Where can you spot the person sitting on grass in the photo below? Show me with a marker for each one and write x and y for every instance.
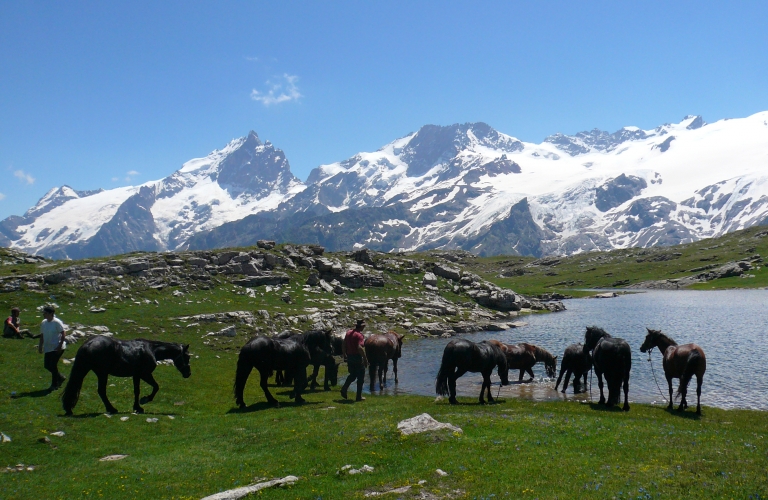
(11, 327)
(52, 345)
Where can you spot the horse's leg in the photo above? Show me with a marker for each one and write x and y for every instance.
(530, 372)
(372, 374)
(557, 384)
(148, 378)
(486, 383)
(102, 389)
(683, 390)
(394, 368)
(265, 388)
(699, 380)
(313, 377)
(452, 385)
(626, 392)
(567, 378)
(136, 394)
(600, 385)
(382, 377)
(522, 372)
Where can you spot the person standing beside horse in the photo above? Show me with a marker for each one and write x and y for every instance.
(354, 351)
(52, 345)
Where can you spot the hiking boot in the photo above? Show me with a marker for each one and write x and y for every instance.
(360, 398)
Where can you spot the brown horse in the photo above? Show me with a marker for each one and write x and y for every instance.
(523, 356)
(379, 349)
(681, 362)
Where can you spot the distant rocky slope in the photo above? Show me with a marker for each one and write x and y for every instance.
(464, 186)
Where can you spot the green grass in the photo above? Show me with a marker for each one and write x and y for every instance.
(515, 449)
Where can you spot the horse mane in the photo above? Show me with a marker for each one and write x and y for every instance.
(543, 354)
(664, 336)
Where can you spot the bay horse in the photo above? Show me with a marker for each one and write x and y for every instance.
(612, 357)
(576, 361)
(379, 349)
(122, 358)
(269, 354)
(461, 356)
(523, 356)
(681, 362)
(319, 343)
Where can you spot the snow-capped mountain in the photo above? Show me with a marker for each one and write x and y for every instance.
(460, 186)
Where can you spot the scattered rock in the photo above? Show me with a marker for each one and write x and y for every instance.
(112, 458)
(238, 493)
(124, 419)
(229, 331)
(4, 438)
(441, 472)
(44, 440)
(429, 280)
(423, 423)
(97, 309)
(402, 489)
(58, 434)
(152, 420)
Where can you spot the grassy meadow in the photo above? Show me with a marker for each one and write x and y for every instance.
(200, 444)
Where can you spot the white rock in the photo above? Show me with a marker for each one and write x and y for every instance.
(441, 472)
(4, 438)
(151, 420)
(237, 493)
(124, 419)
(112, 458)
(58, 434)
(423, 423)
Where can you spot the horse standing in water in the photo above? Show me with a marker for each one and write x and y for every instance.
(576, 361)
(266, 355)
(612, 357)
(681, 362)
(523, 356)
(122, 358)
(379, 349)
(461, 356)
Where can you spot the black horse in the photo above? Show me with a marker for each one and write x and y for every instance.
(319, 343)
(266, 355)
(576, 361)
(461, 356)
(122, 358)
(612, 357)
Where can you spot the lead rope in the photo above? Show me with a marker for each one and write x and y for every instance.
(654, 375)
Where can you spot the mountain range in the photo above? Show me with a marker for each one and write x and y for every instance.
(463, 186)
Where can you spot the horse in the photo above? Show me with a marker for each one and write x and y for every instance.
(680, 362)
(319, 343)
(379, 349)
(576, 361)
(461, 356)
(269, 354)
(122, 358)
(523, 356)
(612, 357)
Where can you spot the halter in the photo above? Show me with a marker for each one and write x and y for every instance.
(654, 375)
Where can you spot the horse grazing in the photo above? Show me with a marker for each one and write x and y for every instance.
(612, 357)
(681, 362)
(269, 354)
(461, 356)
(122, 358)
(319, 345)
(576, 361)
(379, 349)
(523, 356)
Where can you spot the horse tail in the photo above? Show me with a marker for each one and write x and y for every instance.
(72, 392)
(691, 365)
(244, 367)
(441, 382)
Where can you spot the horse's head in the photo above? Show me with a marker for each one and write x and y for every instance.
(593, 336)
(399, 344)
(181, 361)
(332, 370)
(651, 340)
(501, 362)
(550, 366)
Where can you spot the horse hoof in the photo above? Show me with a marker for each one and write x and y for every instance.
(453, 401)
(138, 410)
(626, 408)
(242, 406)
(301, 400)
(68, 413)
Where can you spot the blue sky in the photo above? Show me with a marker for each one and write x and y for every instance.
(106, 94)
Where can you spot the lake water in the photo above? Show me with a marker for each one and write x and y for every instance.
(731, 327)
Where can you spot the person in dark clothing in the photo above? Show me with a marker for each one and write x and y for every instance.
(357, 362)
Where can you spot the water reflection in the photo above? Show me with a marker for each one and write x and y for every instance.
(729, 325)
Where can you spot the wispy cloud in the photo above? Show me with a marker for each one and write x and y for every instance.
(132, 173)
(24, 177)
(2, 196)
(115, 179)
(285, 90)
(252, 58)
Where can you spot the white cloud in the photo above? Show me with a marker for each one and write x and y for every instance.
(252, 59)
(284, 90)
(24, 177)
(115, 179)
(132, 173)
(2, 196)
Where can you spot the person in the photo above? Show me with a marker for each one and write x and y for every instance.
(52, 345)
(357, 362)
(11, 327)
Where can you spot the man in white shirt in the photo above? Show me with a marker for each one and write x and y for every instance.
(52, 345)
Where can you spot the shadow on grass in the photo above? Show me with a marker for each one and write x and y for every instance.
(32, 394)
(690, 415)
(84, 415)
(264, 405)
(603, 407)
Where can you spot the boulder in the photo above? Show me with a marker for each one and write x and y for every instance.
(429, 279)
(423, 423)
(314, 279)
(363, 256)
(447, 272)
(266, 244)
(264, 279)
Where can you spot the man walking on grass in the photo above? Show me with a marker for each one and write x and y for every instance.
(52, 345)
(356, 360)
